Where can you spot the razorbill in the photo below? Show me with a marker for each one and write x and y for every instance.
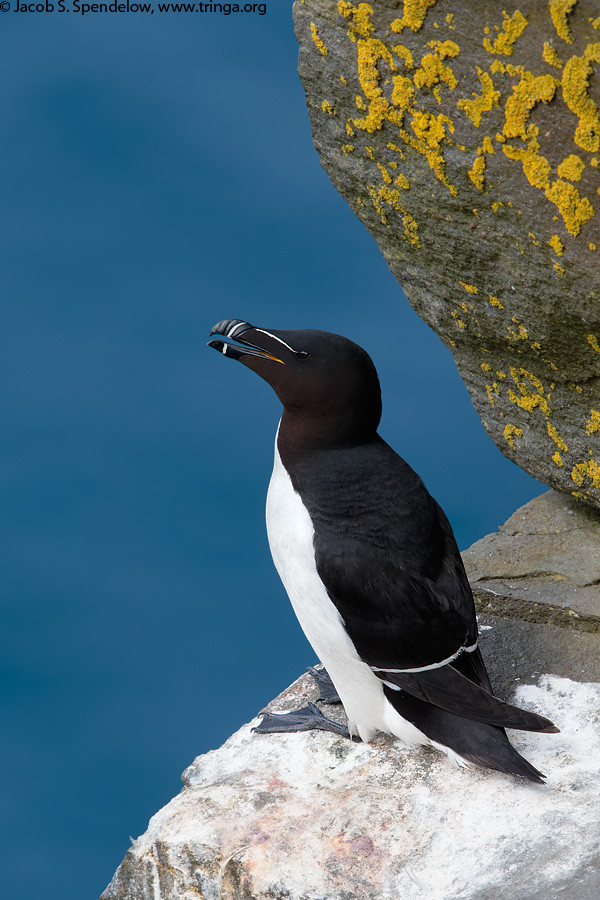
(369, 560)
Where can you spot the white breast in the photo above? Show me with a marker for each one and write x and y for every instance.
(291, 534)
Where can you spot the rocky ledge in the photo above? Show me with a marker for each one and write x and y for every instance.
(315, 817)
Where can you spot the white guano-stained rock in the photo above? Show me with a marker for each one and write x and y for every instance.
(314, 817)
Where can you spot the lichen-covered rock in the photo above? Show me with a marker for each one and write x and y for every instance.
(316, 817)
(466, 137)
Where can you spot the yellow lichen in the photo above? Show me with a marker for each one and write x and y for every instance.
(529, 91)
(327, 108)
(594, 423)
(591, 246)
(492, 389)
(469, 288)
(551, 56)
(535, 167)
(571, 167)
(486, 367)
(575, 84)
(495, 302)
(593, 342)
(561, 271)
(384, 173)
(396, 149)
(430, 131)
(531, 389)
(413, 15)
(370, 52)
(559, 10)
(588, 470)
(487, 146)
(404, 54)
(476, 172)
(556, 244)
(343, 80)
(510, 433)
(432, 70)
(489, 98)
(358, 18)
(557, 458)
(347, 148)
(391, 197)
(429, 134)
(450, 20)
(517, 331)
(553, 432)
(575, 209)
(512, 28)
(317, 40)
(402, 92)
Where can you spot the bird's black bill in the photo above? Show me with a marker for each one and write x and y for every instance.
(233, 329)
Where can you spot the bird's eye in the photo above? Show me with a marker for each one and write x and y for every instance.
(302, 354)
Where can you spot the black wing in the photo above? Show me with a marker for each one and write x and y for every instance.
(387, 556)
(386, 553)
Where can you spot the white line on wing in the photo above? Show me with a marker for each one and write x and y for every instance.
(437, 665)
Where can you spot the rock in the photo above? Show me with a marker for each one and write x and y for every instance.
(316, 817)
(543, 564)
(467, 139)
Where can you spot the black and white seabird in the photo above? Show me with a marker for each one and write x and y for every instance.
(369, 560)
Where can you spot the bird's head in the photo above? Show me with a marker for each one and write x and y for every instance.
(321, 378)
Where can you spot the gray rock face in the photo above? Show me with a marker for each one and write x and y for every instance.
(546, 555)
(466, 137)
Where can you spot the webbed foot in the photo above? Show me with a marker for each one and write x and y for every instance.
(305, 719)
(327, 691)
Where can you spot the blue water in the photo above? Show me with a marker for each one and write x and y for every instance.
(159, 175)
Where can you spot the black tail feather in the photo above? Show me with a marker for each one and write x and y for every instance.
(477, 742)
(472, 666)
(449, 689)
